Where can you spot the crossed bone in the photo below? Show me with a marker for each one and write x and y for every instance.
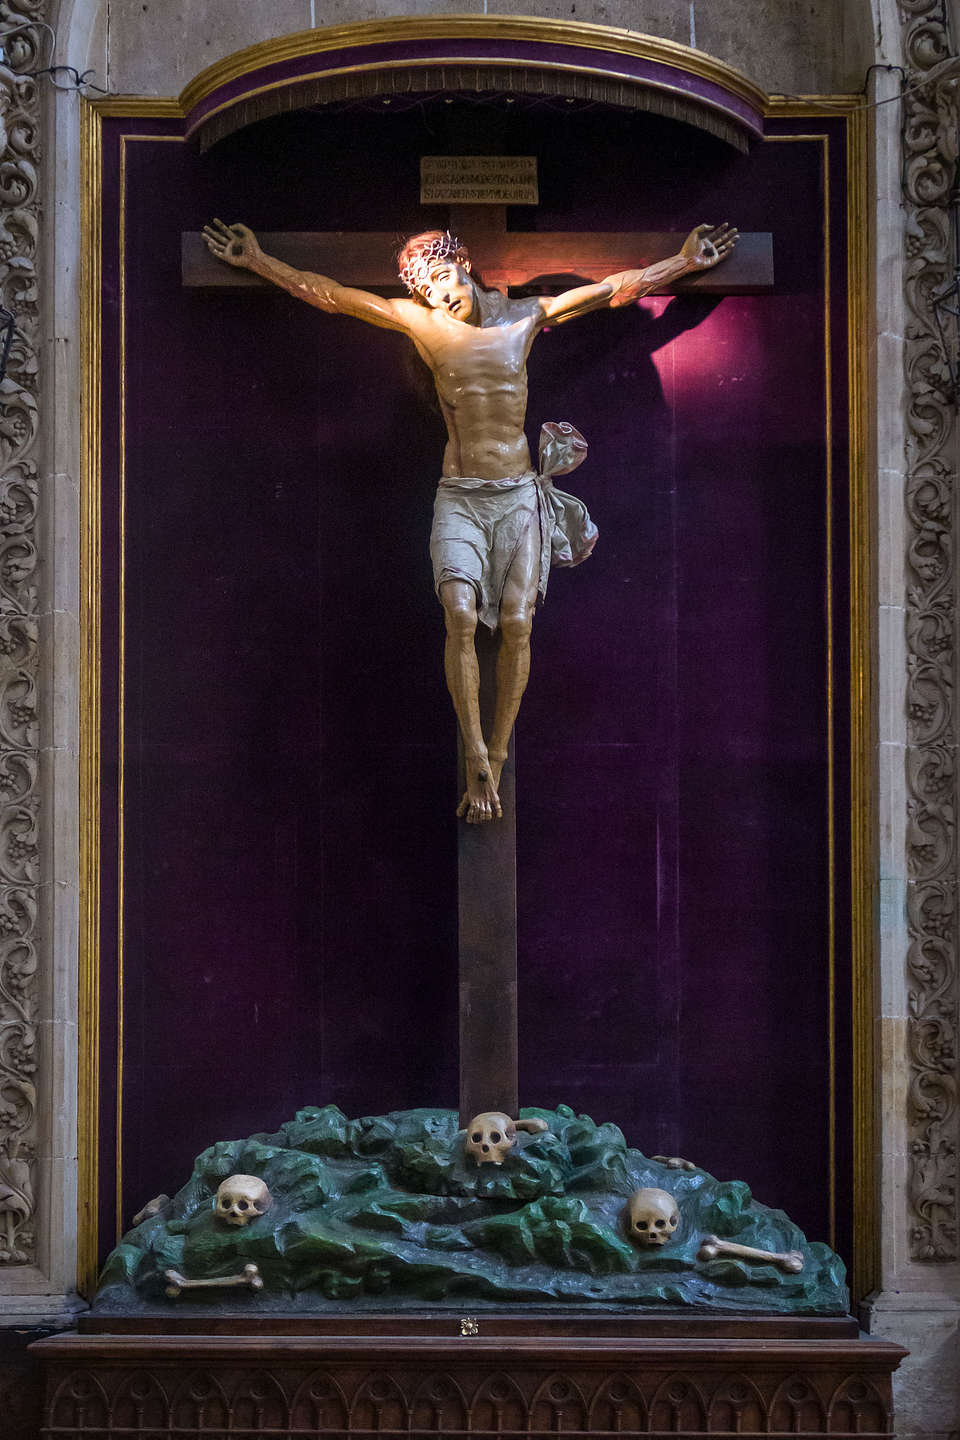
(250, 1278)
(789, 1261)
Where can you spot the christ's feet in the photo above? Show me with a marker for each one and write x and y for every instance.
(497, 763)
(480, 801)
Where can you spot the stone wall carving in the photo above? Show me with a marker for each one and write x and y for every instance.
(19, 624)
(930, 153)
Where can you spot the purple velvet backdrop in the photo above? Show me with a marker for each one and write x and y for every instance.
(289, 861)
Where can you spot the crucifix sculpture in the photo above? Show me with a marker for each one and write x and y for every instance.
(498, 524)
(476, 341)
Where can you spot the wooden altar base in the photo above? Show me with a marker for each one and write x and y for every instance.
(209, 1378)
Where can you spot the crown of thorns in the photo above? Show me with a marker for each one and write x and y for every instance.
(415, 270)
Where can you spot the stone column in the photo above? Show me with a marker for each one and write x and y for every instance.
(38, 732)
(918, 1303)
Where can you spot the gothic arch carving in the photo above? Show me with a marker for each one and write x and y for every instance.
(737, 1404)
(618, 1404)
(499, 1405)
(678, 1405)
(797, 1407)
(319, 1404)
(558, 1405)
(379, 1404)
(856, 1406)
(259, 1403)
(200, 1402)
(140, 1403)
(439, 1405)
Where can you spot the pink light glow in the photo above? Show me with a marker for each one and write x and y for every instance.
(736, 358)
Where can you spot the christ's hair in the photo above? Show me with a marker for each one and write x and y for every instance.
(425, 249)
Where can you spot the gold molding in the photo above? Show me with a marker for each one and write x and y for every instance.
(139, 107)
(863, 779)
(88, 1080)
(499, 62)
(122, 673)
(470, 27)
(811, 107)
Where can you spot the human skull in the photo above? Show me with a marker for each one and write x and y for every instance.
(652, 1217)
(490, 1137)
(241, 1198)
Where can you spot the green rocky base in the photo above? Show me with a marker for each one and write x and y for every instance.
(387, 1212)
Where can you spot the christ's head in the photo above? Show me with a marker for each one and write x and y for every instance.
(435, 268)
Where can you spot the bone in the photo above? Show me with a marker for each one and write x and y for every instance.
(533, 1125)
(789, 1261)
(674, 1162)
(249, 1278)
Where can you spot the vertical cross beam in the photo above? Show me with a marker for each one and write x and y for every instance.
(487, 881)
(487, 869)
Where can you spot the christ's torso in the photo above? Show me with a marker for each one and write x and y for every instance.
(480, 372)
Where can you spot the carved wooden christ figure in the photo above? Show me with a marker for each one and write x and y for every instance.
(498, 524)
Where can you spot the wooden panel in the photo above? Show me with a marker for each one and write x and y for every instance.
(204, 1385)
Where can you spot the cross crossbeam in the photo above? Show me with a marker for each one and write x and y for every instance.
(503, 257)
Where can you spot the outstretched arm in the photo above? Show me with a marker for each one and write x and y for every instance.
(704, 247)
(236, 245)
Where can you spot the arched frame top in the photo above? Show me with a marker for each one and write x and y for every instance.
(469, 51)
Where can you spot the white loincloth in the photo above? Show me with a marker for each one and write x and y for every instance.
(479, 525)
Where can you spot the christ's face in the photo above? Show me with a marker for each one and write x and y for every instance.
(450, 288)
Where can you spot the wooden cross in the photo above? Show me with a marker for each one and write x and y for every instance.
(487, 853)
(504, 258)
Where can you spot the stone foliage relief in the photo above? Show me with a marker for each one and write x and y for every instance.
(19, 753)
(930, 153)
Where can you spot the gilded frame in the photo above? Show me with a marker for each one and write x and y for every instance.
(861, 579)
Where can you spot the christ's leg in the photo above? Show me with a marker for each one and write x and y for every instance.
(513, 662)
(480, 801)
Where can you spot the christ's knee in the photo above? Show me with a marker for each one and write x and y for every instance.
(516, 623)
(460, 613)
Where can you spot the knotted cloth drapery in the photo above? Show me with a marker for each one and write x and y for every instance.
(478, 525)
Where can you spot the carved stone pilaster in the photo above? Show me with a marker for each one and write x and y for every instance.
(19, 754)
(930, 153)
